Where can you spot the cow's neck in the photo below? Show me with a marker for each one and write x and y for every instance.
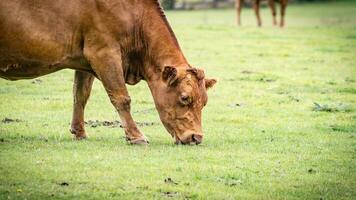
(162, 46)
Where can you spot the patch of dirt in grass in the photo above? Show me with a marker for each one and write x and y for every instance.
(170, 181)
(37, 81)
(63, 184)
(145, 111)
(96, 123)
(236, 105)
(9, 120)
(170, 194)
(331, 108)
(114, 124)
(230, 180)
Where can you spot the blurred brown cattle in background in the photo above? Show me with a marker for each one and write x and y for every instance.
(256, 7)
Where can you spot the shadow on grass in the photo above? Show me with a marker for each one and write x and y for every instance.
(96, 141)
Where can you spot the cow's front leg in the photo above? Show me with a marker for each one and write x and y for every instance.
(107, 64)
(83, 82)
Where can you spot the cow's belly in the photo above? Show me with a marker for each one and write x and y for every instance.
(27, 68)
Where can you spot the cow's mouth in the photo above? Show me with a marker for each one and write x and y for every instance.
(191, 139)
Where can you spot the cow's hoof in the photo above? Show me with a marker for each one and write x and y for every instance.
(139, 141)
(80, 137)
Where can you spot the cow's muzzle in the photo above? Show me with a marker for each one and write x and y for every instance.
(190, 139)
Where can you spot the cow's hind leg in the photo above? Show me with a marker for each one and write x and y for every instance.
(238, 11)
(107, 65)
(273, 10)
(83, 82)
(283, 11)
(256, 7)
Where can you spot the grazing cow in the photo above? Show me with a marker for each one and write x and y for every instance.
(116, 41)
(256, 8)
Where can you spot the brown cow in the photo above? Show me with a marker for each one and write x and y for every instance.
(256, 8)
(116, 41)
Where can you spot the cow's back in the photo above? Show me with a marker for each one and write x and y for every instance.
(39, 33)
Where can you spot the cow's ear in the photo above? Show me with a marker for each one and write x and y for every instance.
(170, 75)
(209, 83)
(199, 73)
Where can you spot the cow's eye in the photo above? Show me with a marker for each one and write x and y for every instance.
(185, 99)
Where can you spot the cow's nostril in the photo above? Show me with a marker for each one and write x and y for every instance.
(197, 138)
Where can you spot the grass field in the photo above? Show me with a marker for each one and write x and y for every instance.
(280, 123)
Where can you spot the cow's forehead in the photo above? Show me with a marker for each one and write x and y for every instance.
(192, 85)
(189, 82)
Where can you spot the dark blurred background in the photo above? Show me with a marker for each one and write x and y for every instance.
(208, 4)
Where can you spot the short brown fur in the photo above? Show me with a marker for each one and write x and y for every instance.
(116, 41)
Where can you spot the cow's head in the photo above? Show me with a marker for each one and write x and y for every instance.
(180, 98)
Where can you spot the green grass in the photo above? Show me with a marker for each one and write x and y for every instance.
(280, 123)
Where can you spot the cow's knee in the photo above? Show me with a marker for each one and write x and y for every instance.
(121, 102)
